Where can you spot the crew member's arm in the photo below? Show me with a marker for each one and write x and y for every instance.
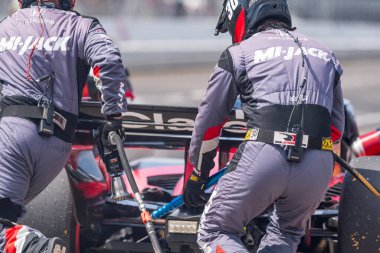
(105, 59)
(337, 113)
(213, 112)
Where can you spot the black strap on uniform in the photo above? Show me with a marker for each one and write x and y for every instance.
(21, 107)
(23, 111)
(268, 136)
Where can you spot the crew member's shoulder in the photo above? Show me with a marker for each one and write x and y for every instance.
(327, 52)
(86, 21)
(231, 57)
(11, 17)
(1, 21)
(234, 49)
(311, 41)
(89, 18)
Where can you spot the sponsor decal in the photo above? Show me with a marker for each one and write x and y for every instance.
(327, 144)
(50, 44)
(289, 139)
(280, 35)
(295, 99)
(283, 138)
(194, 178)
(121, 95)
(35, 13)
(35, 17)
(252, 134)
(288, 53)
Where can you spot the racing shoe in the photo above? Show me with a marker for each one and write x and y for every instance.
(20, 238)
(48, 245)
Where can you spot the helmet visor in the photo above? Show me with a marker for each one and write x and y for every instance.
(222, 25)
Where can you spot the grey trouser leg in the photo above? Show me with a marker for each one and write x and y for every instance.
(28, 162)
(263, 177)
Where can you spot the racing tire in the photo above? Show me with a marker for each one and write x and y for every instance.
(359, 215)
(51, 212)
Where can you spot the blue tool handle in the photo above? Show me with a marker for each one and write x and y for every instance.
(178, 201)
(215, 178)
(171, 206)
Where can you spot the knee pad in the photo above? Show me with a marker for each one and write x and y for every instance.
(9, 210)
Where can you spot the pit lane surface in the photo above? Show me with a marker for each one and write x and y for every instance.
(186, 87)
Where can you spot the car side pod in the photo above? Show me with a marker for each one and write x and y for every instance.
(359, 210)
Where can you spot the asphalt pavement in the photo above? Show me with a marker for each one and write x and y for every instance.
(180, 86)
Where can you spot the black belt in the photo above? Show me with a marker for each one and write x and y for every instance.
(65, 122)
(280, 114)
(288, 139)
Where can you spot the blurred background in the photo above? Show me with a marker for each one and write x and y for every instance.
(170, 49)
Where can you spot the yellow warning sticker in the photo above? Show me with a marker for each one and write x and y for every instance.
(194, 178)
(327, 144)
(248, 135)
(252, 134)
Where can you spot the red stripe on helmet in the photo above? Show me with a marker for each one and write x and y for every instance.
(11, 238)
(240, 27)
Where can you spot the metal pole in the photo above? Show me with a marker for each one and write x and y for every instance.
(145, 215)
(355, 173)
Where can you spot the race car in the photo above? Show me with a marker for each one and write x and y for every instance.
(77, 205)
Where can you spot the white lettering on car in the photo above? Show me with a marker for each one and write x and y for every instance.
(138, 116)
(135, 120)
(186, 124)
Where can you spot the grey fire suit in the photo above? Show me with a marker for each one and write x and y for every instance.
(266, 71)
(67, 44)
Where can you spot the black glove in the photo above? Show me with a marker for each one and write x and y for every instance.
(111, 125)
(194, 195)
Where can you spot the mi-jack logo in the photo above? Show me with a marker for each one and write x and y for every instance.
(20, 44)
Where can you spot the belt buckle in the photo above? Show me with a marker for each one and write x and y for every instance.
(60, 121)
